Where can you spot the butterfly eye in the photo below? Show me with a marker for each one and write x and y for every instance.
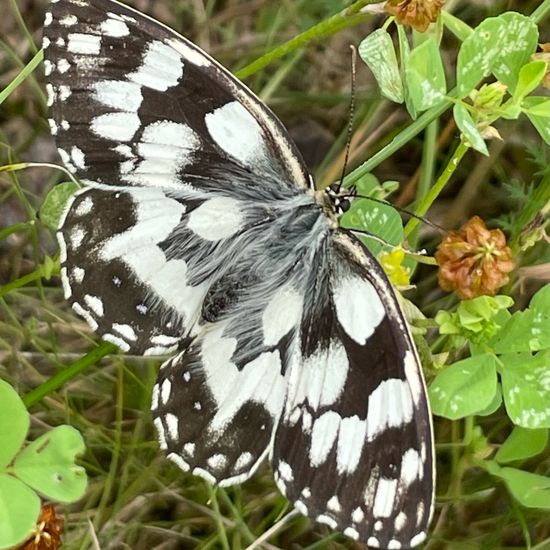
(345, 205)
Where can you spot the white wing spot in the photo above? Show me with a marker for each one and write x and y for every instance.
(323, 437)
(400, 521)
(165, 390)
(334, 504)
(122, 95)
(116, 126)
(166, 148)
(357, 516)
(173, 425)
(77, 273)
(237, 132)
(411, 467)
(160, 431)
(177, 459)
(48, 69)
(390, 406)
(95, 304)
(243, 461)
(188, 53)
(301, 507)
(417, 539)
(48, 18)
(217, 461)
(63, 66)
(78, 157)
(351, 533)
(189, 448)
(216, 219)
(187, 376)
(394, 545)
(161, 67)
(385, 496)
(114, 28)
(327, 520)
(197, 406)
(88, 44)
(86, 315)
(64, 92)
(68, 21)
(84, 207)
(285, 471)
(67, 291)
(358, 308)
(374, 542)
(282, 314)
(119, 342)
(126, 331)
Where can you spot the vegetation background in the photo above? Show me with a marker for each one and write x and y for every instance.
(136, 499)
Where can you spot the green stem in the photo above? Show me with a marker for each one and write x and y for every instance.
(398, 141)
(438, 186)
(541, 12)
(219, 522)
(29, 68)
(346, 18)
(63, 376)
(16, 228)
(22, 281)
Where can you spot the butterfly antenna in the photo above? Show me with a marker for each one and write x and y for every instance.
(399, 209)
(351, 114)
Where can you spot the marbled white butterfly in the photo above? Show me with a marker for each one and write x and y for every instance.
(199, 233)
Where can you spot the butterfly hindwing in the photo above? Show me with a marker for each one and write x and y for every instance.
(353, 448)
(215, 417)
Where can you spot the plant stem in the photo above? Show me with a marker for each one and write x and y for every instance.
(398, 141)
(63, 376)
(218, 518)
(16, 228)
(438, 186)
(541, 12)
(346, 18)
(21, 76)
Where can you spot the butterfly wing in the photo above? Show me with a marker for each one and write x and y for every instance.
(176, 153)
(134, 103)
(353, 448)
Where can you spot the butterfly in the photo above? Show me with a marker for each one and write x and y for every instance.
(199, 234)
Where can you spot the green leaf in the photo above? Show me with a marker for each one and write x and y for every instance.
(530, 490)
(494, 405)
(464, 388)
(55, 202)
(537, 105)
(468, 127)
(530, 76)
(526, 388)
(47, 465)
(425, 76)
(537, 109)
(499, 46)
(382, 220)
(527, 330)
(404, 52)
(522, 443)
(19, 509)
(14, 423)
(378, 52)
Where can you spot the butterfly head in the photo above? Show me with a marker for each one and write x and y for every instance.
(339, 197)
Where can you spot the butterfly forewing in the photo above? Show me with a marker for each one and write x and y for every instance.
(197, 233)
(134, 103)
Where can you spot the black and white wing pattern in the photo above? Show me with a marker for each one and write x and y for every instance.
(199, 233)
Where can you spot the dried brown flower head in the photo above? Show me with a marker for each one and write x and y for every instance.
(474, 261)
(544, 55)
(415, 13)
(47, 534)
